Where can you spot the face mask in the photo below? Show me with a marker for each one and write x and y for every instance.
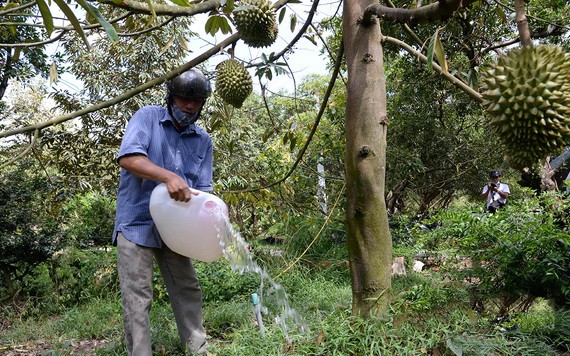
(181, 117)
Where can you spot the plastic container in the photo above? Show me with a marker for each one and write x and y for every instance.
(191, 229)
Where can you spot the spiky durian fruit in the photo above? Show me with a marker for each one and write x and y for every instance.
(527, 94)
(256, 22)
(233, 82)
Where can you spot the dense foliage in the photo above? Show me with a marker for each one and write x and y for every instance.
(29, 229)
(515, 255)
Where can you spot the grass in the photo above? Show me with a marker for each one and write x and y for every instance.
(428, 315)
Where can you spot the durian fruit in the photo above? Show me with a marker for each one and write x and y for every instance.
(233, 82)
(256, 22)
(527, 94)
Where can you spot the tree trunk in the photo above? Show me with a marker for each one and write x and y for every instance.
(368, 236)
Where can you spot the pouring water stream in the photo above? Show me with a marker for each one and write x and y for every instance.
(236, 252)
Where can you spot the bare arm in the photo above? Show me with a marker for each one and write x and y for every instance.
(486, 194)
(142, 167)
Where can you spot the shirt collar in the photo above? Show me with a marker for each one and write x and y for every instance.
(190, 129)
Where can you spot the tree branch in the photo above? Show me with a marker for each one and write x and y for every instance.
(129, 94)
(170, 10)
(454, 80)
(407, 28)
(552, 31)
(439, 10)
(33, 44)
(161, 9)
(522, 24)
(132, 34)
(64, 29)
(299, 34)
(17, 8)
(23, 153)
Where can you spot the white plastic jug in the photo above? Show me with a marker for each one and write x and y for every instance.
(190, 229)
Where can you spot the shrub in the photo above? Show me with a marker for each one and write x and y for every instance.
(90, 218)
(29, 231)
(220, 283)
(80, 275)
(521, 251)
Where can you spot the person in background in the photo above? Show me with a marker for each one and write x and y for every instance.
(495, 193)
(161, 145)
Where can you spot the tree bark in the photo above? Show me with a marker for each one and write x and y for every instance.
(522, 24)
(368, 236)
(5, 75)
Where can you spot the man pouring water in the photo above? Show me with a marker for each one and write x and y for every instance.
(161, 145)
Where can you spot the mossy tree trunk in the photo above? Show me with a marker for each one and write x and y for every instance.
(369, 240)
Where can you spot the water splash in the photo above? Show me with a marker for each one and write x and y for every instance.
(237, 253)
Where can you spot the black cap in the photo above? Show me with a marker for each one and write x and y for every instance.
(494, 174)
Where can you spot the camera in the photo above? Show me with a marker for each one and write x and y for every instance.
(495, 184)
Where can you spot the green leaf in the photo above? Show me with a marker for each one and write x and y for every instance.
(228, 7)
(46, 15)
(93, 11)
(216, 23)
(430, 51)
(293, 142)
(9, 6)
(211, 26)
(282, 14)
(184, 44)
(151, 7)
(73, 19)
(167, 45)
(293, 22)
(311, 38)
(224, 25)
(440, 54)
(501, 14)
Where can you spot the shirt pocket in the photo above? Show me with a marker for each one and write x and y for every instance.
(194, 166)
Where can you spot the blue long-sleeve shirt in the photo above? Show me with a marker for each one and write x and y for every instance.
(151, 132)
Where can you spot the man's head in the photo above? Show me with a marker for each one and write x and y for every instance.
(191, 84)
(186, 96)
(495, 175)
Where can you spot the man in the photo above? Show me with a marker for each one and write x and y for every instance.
(161, 145)
(495, 192)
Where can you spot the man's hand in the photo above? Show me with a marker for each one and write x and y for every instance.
(178, 189)
(142, 167)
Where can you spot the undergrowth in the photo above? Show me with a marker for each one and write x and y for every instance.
(431, 312)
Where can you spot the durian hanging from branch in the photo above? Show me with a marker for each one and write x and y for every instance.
(256, 22)
(527, 94)
(233, 82)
